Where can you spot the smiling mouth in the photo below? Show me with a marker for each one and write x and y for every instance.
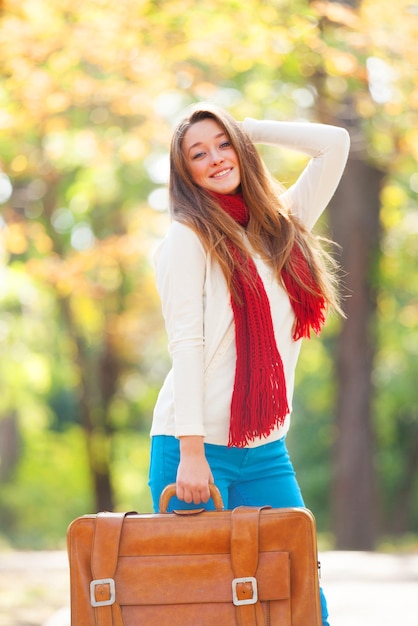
(222, 173)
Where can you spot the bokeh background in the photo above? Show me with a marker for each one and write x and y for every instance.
(89, 93)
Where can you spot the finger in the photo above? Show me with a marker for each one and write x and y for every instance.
(180, 492)
(197, 498)
(205, 494)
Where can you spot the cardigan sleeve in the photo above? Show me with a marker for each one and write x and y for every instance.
(180, 271)
(327, 145)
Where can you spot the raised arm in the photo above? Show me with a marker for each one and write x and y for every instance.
(327, 145)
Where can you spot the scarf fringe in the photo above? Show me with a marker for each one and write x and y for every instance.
(250, 404)
(308, 304)
(259, 400)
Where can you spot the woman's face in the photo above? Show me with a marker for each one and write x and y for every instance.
(211, 160)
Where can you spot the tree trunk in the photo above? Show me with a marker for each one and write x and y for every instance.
(355, 226)
(9, 445)
(354, 218)
(98, 376)
(92, 413)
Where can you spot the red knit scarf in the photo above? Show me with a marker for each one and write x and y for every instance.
(259, 400)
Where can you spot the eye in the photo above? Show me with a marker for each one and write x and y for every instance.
(225, 144)
(198, 155)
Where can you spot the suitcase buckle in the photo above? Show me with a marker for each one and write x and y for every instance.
(102, 581)
(253, 599)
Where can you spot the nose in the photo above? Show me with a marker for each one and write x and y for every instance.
(216, 157)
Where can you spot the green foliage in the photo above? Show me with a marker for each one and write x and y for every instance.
(131, 462)
(89, 93)
(50, 487)
(396, 403)
(311, 436)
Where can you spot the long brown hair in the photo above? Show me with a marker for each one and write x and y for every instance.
(272, 230)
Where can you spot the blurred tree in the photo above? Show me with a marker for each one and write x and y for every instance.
(356, 227)
(76, 220)
(355, 84)
(89, 93)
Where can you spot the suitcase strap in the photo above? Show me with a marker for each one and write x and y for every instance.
(104, 560)
(245, 525)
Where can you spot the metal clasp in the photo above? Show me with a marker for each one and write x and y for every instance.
(102, 581)
(237, 581)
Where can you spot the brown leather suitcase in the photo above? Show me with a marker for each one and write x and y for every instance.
(246, 567)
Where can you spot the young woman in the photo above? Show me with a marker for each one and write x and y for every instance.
(242, 281)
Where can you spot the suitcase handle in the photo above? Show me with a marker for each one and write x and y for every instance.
(170, 491)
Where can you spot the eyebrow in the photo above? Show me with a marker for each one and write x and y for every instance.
(199, 143)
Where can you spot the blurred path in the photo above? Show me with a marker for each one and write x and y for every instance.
(371, 589)
(34, 586)
(363, 589)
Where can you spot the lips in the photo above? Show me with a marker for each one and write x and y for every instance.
(222, 173)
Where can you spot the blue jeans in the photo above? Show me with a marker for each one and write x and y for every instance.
(245, 476)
